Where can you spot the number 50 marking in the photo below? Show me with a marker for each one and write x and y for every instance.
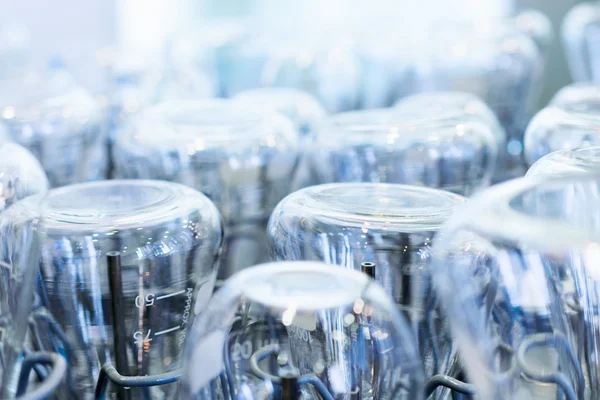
(148, 301)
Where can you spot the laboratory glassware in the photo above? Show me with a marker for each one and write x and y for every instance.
(516, 271)
(243, 159)
(386, 225)
(301, 330)
(571, 120)
(59, 122)
(579, 33)
(22, 186)
(567, 162)
(497, 62)
(160, 242)
(299, 106)
(449, 150)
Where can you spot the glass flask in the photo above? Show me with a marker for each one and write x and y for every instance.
(390, 226)
(516, 271)
(137, 84)
(567, 162)
(59, 122)
(22, 186)
(301, 330)
(462, 104)
(327, 68)
(244, 160)
(571, 120)
(579, 31)
(450, 150)
(150, 246)
(496, 62)
(300, 107)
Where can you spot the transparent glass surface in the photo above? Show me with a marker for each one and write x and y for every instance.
(460, 104)
(59, 122)
(580, 33)
(137, 84)
(168, 238)
(300, 107)
(567, 162)
(537, 26)
(516, 270)
(325, 67)
(449, 150)
(22, 185)
(496, 62)
(391, 226)
(242, 159)
(301, 330)
(571, 120)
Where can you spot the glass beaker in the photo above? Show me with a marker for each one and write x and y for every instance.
(301, 330)
(162, 240)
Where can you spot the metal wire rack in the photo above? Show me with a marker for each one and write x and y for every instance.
(51, 369)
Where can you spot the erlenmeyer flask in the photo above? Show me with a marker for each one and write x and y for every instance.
(301, 330)
(497, 62)
(300, 107)
(244, 160)
(567, 162)
(579, 31)
(162, 240)
(452, 150)
(22, 185)
(571, 120)
(390, 226)
(516, 270)
(59, 122)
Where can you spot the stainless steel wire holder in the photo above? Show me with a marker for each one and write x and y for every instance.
(288, 384)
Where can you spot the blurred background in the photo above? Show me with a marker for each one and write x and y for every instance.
(81, 31)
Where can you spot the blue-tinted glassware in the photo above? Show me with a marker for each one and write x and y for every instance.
(580, 33)
(571, 120)
(59, 122)
(243, 159)
(301, 330)
(390, 226)
(449, 150)
(517, 273)
(22, 186)
(497, 62)
(168, 238)
(567, 162)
